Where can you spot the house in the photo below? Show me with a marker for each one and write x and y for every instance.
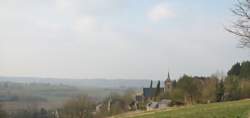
(158, 105)
(139, 98)
(164, 103)
(149, 93)
(8, 98)
(98, 108)
(151, 106)
(133, 106)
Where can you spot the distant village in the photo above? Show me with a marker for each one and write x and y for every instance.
(151, 93)
(148, 98)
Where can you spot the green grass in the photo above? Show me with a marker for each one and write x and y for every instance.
(236, 109)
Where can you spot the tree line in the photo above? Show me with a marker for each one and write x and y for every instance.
(215, 88)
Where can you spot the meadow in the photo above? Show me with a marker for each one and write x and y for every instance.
(235, 109)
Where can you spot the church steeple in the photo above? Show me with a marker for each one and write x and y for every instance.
(168, 84)
(168, 77)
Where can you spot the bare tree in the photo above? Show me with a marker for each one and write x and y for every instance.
(241, 27)
(78, 107)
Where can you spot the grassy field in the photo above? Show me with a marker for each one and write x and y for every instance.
(236, 109)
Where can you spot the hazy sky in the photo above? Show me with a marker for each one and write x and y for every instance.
(129, 39)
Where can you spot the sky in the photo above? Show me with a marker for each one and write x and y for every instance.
(116, 39)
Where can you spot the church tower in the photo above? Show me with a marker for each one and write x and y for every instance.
(168, 84)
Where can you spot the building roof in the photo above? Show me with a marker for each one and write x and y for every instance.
(153, 104)
(168, 78)
(150, 92)
(165, 101)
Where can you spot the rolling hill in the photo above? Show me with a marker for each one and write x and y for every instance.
(235, 109)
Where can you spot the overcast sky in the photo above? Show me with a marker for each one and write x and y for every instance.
(128, 39)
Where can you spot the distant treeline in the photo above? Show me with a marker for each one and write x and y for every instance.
(215, 88)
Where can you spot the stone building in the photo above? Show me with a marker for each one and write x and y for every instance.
(168, 84)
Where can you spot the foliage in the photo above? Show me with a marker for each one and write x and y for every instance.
(235, 70)
(31, 113)
(240, 69)
(232, 88)
(190, 88)
(78, 107)
(157, 92)
(177, 95)
(220, 89)
(245, 89)
(174, 82)
(3, 114)
(245, 70)
(207, 89)
(237, 84)
(118, 103)
(215, 88)
(151, 84)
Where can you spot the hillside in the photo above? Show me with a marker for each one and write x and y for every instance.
(236, 109)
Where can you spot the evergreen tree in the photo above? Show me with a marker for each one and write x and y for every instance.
(220, 91)
(158, 89)
(151, 84)
(235, 70)
(174, 83)
(245, 70)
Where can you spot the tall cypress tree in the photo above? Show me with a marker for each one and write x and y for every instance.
(157, 92)
(151, 84)
(220, 91)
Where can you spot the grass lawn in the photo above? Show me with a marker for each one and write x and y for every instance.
(236, 109)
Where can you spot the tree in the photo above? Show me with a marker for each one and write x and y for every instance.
(43, 113)
(232, 88)
(158, 89)
(79, 107)
(174, 83)
(245, 70)
(241, 27)
(3, 114)
(151, 84)
(116, 104)
(207, 89)
(190, 88)
(245, 88)
(235, 70)
(220, 91)
(241, 70)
